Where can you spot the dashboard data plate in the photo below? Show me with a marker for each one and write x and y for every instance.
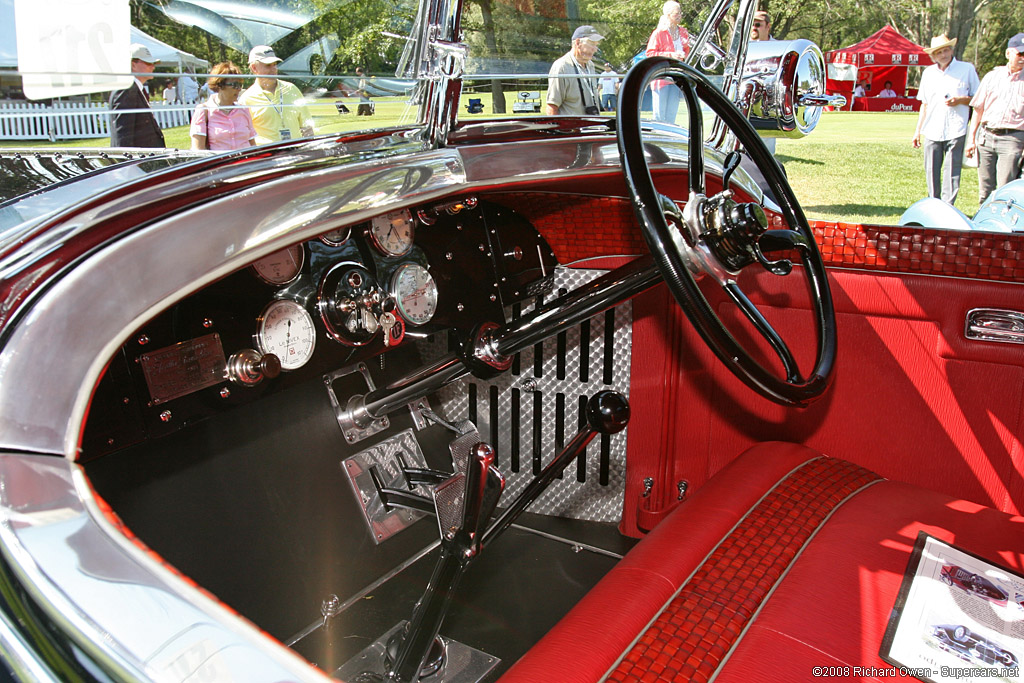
(183, 368)
(389, 457)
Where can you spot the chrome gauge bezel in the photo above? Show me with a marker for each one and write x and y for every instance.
(348, 289)
(399, 285)
(387, 238)
(297, 252)
(336, 238)
(305, 334)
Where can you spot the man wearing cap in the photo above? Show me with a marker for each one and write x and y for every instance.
(762, 27)
(946, 89)
(999, 114)
(575, 96)
(277, 107)
(139, 128)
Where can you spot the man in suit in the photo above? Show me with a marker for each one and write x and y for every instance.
(138, 129)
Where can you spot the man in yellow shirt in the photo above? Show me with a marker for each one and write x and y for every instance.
(278, 109)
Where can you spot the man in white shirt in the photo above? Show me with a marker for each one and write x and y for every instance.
(609, 88)
(945, 93)
(887, 91)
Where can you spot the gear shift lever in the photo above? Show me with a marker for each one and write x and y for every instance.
(464, 505)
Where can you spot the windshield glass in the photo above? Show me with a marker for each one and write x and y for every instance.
(226, 74)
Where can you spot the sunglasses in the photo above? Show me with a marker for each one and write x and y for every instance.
(231, 84)
(758, 24)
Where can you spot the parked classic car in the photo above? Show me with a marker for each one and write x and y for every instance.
(356, 406)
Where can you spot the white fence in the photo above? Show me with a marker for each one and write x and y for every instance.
(73, 120)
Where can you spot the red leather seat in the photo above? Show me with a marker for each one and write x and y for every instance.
(785, 561)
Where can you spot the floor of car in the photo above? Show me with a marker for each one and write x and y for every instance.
(516, 590)
(266, 520)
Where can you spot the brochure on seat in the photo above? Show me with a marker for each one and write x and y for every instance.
(957, 617)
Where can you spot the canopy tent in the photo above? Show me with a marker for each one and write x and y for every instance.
(883, 56)
(168, 55)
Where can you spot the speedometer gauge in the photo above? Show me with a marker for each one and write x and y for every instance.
(393, 232)
(286, 330)
(281, 267)
(415, 293)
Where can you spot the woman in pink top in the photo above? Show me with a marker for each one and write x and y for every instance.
(668, 40)
(216, 123)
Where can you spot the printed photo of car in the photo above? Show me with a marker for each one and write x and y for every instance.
(971, 647)
(954, 575)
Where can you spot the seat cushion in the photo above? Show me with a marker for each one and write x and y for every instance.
(785, 561)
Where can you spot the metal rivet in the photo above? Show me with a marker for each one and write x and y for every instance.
(448, 256)
(225, 392)
(460, 308)
(494, 297)
(165, 416)
(481, 247)
(143, 340)
(207, 323)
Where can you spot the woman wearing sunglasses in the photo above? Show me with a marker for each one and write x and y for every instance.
(217, 123)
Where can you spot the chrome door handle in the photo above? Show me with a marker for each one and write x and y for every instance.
(995, 325)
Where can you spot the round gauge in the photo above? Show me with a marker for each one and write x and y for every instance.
(336, 238)
(286, 330)
(415, 293)
(392, 233)
(281, 267)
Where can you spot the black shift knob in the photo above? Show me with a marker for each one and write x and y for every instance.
(608, 412)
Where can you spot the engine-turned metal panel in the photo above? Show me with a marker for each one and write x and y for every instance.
(530, 412)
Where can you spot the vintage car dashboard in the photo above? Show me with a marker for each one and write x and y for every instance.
(347, 296)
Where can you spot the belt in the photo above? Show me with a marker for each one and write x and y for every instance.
(1001, 131)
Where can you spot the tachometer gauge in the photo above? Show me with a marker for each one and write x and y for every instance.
(281, 267)
(393, 233)
(286, 330)
(415, 293)
(336, 238)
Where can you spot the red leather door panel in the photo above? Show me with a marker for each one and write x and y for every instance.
(912, 398)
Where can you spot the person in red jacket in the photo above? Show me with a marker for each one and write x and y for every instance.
(669, 39)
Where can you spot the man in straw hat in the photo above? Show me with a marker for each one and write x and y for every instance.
(999, 113)
(130, 124)
(945, 93)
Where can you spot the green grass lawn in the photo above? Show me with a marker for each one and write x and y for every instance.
(855, 166)
(860, 167)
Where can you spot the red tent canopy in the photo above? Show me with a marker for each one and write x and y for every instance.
(882, 56)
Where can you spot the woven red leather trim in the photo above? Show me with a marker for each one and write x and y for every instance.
(692, 635)
(579, 227)
(920, 250)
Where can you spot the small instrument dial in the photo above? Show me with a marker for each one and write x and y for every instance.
(336, 238)
(415, 293)
(281, 267)
(393, 233)
(286, 330)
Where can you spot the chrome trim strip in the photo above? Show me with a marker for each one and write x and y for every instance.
(19, 656)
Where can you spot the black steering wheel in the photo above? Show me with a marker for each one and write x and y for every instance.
(717, 237)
